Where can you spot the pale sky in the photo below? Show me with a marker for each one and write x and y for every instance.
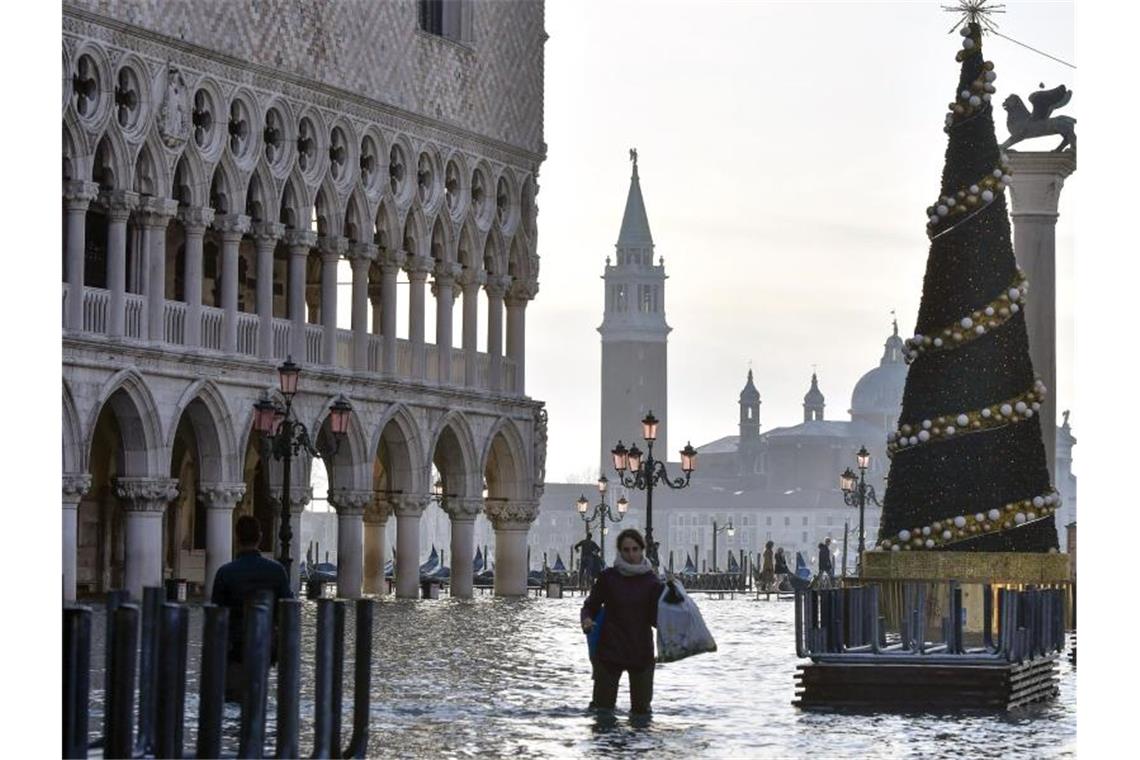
(787, 154)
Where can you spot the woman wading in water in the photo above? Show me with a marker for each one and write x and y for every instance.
(629, 592)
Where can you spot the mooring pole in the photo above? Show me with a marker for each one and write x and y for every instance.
(76, 680)
(358, 745)
(153, 598)
(322, 696)
(120, 700)
(255, 672)
(115, 599)
(174, 627)
(212, 681)
(288, 677)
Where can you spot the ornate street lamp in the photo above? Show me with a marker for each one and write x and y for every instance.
(285, 436)
(601, 511)
(856, 493)
(645, 474)
(731, 531)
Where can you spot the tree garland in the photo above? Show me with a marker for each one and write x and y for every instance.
(966, 202)
(965, 526)
(1021, 407)
(976, 324)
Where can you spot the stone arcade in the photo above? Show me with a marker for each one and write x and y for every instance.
(214, 184)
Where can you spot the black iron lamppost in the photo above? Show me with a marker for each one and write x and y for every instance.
(644, 474)
(731, 531)
(601, 511)
(856, 493)
(286, 436)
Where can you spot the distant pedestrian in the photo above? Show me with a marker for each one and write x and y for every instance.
(767, 571)
(825, 565)
(629, 592)
(239, 580)
(589, 559)
(781, 562)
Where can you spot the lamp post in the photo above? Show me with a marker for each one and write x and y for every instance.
(601, 512)
(856, 493)
(285, 436)
(731, 531)
(645, 474)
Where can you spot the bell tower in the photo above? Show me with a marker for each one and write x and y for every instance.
(634, 334)
(748, 447)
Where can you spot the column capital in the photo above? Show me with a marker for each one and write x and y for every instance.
(265, 233)
(511, 515)
(521, 292)
(223, 496)
(378, 510)
(79, 193)
(348, 501)
(120, 204)
(447, 272)
(391, 261)
(1037, 181)
(75, 487)
(301, 239)
(145, 494)
(497, 285)
(299, 496)
(418, 267)
(157, 212)
(332, 246)
(362, 252)
(232, 226)
(462, 510)
(472, 278)
(410, 504)
(196, 218)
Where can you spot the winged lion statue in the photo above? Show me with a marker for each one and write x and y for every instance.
(1023, 125)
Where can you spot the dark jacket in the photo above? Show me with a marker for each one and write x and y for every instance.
(631, 611)
(782, 564)
(825, 560)
(239, 579)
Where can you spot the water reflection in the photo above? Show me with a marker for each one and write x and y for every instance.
(498, 677)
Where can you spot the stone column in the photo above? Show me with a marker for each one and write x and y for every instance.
(496, 288)
(299, 496)
(462, 513)
(195, 221)
(300, 242)
(518, 297)
(232, 227)
(155, 214)
(120, 203)
(361, 256)
(375, 548)
(265, 237)
(443, 288)
(77, 196)
(350, 506)
(511, 521)
(332, 248)
(144, 501)
(409, 509)
(220, 499)
(1036, 190)
(374, 298)
(390, 262)
(75, 487)
(472, 281)
(417, 268)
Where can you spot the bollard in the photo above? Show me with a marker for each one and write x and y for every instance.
(153, 598)
(358, 744)
(115, 599)
(799, 624)
(340, 607)
(322, 696)
(255, 672)
(121, 698)
(174, 625)
(958, 620)
(76, 679)
(288, 676)
(988, 617)
(212, 679)
(874, 631)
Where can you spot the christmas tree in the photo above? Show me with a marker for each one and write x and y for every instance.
(968, 469)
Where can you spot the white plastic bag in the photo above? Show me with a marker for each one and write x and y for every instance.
(681, 631)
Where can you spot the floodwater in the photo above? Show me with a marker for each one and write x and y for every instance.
(492, 677)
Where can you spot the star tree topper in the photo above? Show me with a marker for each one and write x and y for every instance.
(975, 12)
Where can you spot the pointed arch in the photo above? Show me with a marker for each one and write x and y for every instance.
(191, 185)
(387, 226)
(151, 175)
(261, 194)
(227, 193)
(504, 462)
(518, 264)
(453, 440)
(112, 168)
(414, 238)
(133, 405)
(494, 253)
(399, 433)
(349, 467)
(77, 154)
(295, 204)
(440, 246)
(358, 225)
(214, 430)
(467, 250)
(74, 452)
(328, 209)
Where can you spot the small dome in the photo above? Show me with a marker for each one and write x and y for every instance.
(814, 397)
(880, 391)
(749, 394)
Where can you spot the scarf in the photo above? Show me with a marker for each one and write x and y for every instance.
(626, 568)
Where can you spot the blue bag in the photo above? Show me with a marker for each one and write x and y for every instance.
(595, 633)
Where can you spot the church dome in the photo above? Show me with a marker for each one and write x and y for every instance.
(880, 391)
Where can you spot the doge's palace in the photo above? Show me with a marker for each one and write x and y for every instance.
(225, 163)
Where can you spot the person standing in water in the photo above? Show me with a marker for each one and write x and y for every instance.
(629, 592)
